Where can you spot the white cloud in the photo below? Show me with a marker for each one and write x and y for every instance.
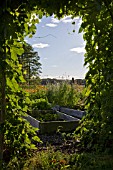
(45, 58)
(51, 25)
(77, 18)
(84, 43)
(67, 19)
(78, 50)
(54, 20)
(54, 66)
(40, 45)
(49, 76)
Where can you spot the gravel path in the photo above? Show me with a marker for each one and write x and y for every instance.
(58, 142)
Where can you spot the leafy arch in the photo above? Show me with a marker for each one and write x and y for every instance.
(18, 20)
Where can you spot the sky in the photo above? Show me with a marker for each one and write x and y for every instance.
(60, 49)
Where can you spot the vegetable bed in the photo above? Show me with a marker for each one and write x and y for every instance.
(45, 115)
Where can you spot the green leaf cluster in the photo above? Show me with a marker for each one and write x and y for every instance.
(16, 135)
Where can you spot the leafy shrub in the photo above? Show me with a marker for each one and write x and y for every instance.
(64, 94)
(18, 133)
(45, 115)
(41, 104)
(48, 160)
(39, 92)
(56, 160)
(91, 161)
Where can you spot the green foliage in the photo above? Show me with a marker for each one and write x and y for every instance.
(40, 93)
(48, 160)
(16, 135)
(31, 67)
(41, 104)
(96, 129)
(91, 161)
(57, 160)
(45, 115)
(64, 94)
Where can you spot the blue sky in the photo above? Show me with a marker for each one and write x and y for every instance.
(60, 49)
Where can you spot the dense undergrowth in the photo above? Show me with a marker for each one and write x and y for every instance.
(63, 94)
(62, 161)
(91, 155)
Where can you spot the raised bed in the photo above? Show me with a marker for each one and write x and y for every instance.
(67, 124)
(75, 113)
(45, 115)
(52, 127)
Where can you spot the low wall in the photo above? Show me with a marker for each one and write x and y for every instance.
(52, 127)
(34, 122)
(69, 124)
(75, 113)
(66, 117)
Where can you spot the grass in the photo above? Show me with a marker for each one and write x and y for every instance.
(50, 160)
(47, 160)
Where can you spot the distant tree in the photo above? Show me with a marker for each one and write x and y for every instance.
(31, 67)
